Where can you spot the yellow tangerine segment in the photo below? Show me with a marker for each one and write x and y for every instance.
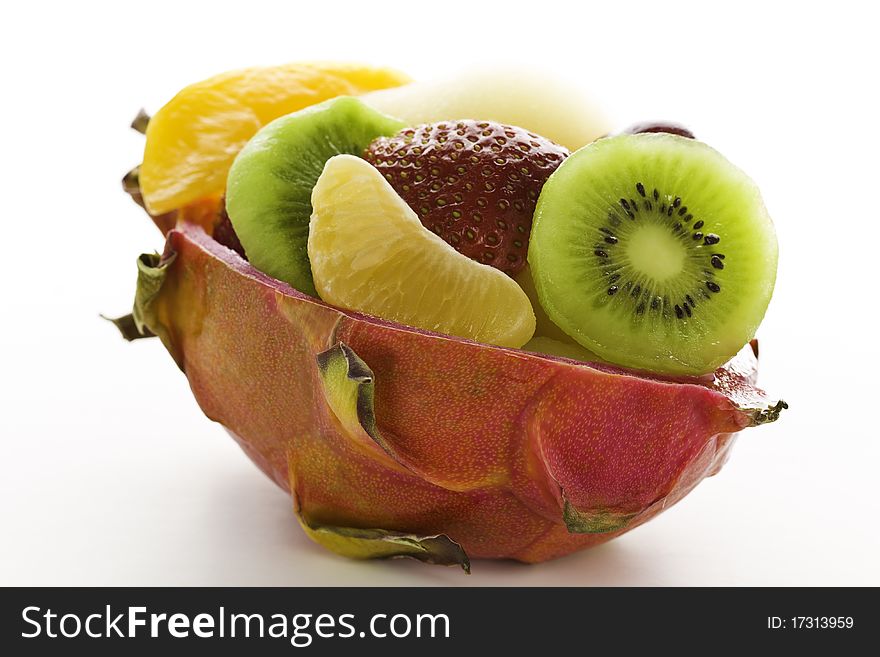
(192, 140)
(369, 252)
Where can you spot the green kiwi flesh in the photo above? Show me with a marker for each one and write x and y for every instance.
(654, 252)
(269, 189)
(565, 348)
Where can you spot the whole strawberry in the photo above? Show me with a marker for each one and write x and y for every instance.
(474, 183)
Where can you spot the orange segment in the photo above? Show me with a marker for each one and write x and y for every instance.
(369, 252)
(192, 140)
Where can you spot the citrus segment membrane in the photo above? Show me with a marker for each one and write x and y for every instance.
(369, 252)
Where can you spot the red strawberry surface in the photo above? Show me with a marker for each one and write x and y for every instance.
(473, 183)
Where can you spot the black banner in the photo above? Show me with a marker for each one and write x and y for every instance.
(276, 621)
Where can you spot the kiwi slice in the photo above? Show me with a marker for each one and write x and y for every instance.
(269, 189)
(655, 252)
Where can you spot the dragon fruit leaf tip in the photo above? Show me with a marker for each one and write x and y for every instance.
(356, 543)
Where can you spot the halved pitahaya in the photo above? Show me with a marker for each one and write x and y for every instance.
(399, 442)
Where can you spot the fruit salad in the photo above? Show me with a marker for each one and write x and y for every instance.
(455, 318)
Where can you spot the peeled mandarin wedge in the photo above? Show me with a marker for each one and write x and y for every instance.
(192, 141)
(369, 252)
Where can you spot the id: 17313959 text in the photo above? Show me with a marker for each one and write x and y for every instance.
(810, 623)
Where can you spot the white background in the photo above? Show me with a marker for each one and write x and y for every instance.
(109, 473)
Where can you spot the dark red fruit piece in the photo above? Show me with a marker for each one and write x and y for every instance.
(474, 183)
(660, 126)
(225, 233)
